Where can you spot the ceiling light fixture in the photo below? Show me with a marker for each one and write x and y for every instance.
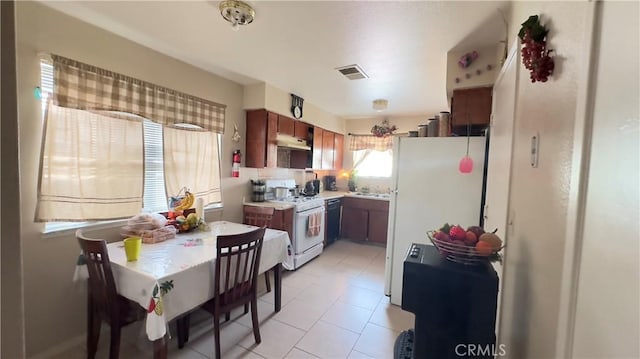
(237, 13)
(380, 104)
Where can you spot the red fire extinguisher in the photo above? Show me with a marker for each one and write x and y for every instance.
(235, 169)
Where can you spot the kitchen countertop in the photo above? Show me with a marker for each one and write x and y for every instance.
(340, 194)
(324, 195)
(276, 205)
(332, 194)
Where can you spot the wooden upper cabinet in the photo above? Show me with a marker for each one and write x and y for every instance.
(317, 148)
(286, 125)
(471, 106)
(301, 130)
(328, 139)
(272, 140)
(338, 151)
(261, 146)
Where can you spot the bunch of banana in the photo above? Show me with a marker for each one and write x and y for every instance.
(186, 202)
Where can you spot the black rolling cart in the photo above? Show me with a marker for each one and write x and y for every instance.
(454, 305)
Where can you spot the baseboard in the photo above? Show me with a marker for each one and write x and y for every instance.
(62, 348)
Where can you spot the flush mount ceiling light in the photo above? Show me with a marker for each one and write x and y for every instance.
(380, 104)
(237, 13)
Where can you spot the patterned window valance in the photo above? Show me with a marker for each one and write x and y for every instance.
(85, 87)
(369, 142)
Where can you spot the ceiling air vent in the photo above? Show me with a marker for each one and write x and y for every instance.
(352, 72)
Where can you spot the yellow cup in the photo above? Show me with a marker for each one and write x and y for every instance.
(132, 247)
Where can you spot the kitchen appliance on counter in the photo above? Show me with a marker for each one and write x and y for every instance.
(429, 190)
(258, 190)
(309, 189)
(330, 183)
(308, 221)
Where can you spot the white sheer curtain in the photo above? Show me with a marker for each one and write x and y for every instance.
(192, 160)
(91, 167)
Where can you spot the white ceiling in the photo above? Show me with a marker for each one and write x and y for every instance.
(296, 45)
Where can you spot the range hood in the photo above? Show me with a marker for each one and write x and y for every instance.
(292, 143)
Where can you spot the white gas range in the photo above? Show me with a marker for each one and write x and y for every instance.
(308, 221)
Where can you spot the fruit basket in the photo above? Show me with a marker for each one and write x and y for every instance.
(470, 247)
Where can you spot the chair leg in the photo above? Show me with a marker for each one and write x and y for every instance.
(93, 331)
(254, 320)
(246, 308)
(182, 325)
(267, 281)
(227, 316)
(216, 335)
(114, 347)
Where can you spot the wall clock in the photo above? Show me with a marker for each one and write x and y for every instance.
(296, 106)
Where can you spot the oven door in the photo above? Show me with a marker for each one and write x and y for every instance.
(303, 239)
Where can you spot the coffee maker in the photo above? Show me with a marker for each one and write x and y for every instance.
(330, 183)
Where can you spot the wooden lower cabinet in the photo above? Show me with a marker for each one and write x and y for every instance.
(354, 223)
(365, 219)
(378, 224)
(282, 220)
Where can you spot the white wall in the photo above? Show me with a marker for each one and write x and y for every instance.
(607, 318)
(489, 55)
(11, 290)
(538, 201)
(279, 101)
(262, 95)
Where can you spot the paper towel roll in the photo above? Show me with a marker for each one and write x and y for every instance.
(200, 208)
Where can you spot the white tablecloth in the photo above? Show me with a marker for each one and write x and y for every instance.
(188, 263)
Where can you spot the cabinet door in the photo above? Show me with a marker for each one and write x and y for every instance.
(283, 220)
(272, 141)
(471, 106)
(301, 130)
(256, 139)
(338, 148)
(286, 125)
(317, 148)
(328, 138)
(479, 106)
(378, 224)
(355, 223)
(277, 221)
(261, 139)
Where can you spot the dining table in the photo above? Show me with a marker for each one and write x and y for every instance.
(176, 276)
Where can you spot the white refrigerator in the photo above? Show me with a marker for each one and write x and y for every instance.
(427, 191)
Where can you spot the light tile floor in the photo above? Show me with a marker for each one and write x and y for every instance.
(332, 307)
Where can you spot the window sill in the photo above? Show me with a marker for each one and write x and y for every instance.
(70, 230)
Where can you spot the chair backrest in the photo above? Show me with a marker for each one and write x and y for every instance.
(102, 287)
(258, 216)
(237, 262)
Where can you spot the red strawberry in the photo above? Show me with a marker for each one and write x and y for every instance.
(457, 233)
(152, 306)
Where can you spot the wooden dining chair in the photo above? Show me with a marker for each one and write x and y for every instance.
(103, 301)
(260, 217)
(236, 271)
